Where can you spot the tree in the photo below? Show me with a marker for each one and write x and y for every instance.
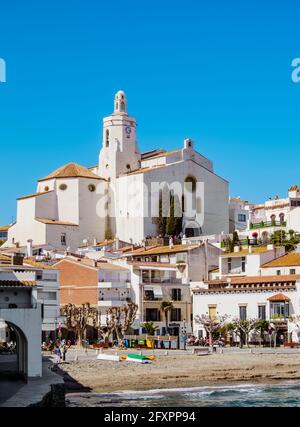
(262, 326)
(166, 306)
(280, 238)
(108, 232)
(161, 220)
(211, 324)
(119, 320)
(242, 328)
(77, 318)
(150, 328)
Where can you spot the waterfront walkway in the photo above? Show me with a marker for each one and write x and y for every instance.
(18, 393)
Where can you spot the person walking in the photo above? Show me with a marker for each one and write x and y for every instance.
(64, 350)
(57, 352)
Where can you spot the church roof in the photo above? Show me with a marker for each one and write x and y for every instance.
(55, 222)
(71, 170)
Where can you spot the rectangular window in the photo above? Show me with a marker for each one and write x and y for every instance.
(176, 294)
(152, 314)
(292, 271)
(262, 312)
(242, 218)
(278, 272)
(279, 310)
(149, 295)
(176, 315)
(212, 310)
(243, 312)
(243, 264)
(229, 265)
(63, 239)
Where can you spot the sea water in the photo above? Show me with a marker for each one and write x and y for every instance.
(246, 395)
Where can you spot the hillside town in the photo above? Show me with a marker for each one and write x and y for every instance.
(147, 251)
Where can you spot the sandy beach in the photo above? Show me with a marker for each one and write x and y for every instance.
(181, 370)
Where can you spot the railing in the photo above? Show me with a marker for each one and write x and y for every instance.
(161, 281)
(264, 224)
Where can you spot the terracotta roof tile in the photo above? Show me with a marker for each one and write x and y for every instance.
(55, 222)
(255, 279)
(288, 260)
(71, 170)
(34, 195)
(279, 297)
(157, 250)
(9, 283)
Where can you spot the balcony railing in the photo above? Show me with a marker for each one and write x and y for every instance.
(264, 224)
(161, 281)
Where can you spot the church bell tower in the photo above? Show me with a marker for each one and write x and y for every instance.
(119, 154)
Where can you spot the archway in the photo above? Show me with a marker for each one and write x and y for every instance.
(192, 229)
(14, 352)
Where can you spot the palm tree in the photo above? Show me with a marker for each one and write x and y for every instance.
(166, 306)
(149, 327)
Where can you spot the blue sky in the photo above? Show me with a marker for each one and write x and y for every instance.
(218, 72)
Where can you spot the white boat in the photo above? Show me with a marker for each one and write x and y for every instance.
(109, 357)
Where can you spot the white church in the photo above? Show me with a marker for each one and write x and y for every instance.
(75, 205)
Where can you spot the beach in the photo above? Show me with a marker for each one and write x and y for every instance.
(180, 371)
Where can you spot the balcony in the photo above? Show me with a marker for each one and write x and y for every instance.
(265, 224)
(115, 285)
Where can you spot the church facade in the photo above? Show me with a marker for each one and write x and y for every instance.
(123, 194)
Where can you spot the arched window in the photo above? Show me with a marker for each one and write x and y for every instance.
(189, 199)
(107, 138)
(281, 217)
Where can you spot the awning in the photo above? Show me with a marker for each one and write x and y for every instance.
(158, 291)
(148, 288)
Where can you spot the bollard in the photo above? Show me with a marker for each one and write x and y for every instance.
(166, 353)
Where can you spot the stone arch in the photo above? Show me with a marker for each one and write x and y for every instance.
(27, 325)
(192, 229)
(21, 348)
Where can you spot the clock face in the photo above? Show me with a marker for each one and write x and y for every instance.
(128, 130)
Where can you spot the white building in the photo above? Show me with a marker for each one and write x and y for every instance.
(20, 310)
(74, 204)
(167, 273)
(253, 283)
(46, 280)
(275, 214)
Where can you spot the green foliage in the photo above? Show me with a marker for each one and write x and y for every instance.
(280, 238)
(172, 224)
(108, 231)
(150, 328)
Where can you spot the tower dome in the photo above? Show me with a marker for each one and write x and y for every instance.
(120, 103)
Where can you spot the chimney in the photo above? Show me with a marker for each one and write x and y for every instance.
(17, 259)
(29, 248)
